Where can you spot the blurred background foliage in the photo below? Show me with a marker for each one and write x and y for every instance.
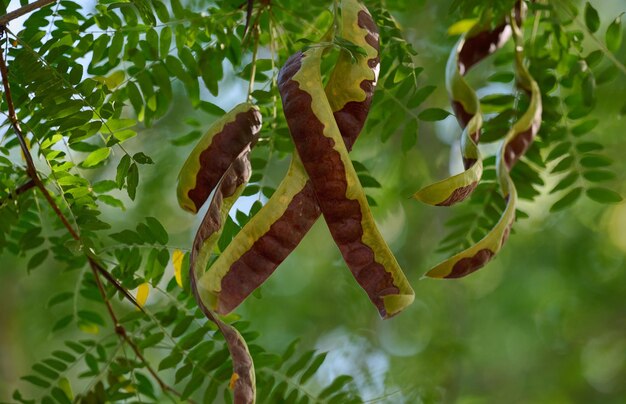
(545, 322)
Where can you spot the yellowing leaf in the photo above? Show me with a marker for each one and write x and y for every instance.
(115, 124)
(177, 260)
(461, 27)
(233, 380)
(89, 328)
(130, 388)
(66, 387)
(112, 81)
(142, 294)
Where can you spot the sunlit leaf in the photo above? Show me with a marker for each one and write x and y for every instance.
(177, 261)
(142, 294)
(97, 157)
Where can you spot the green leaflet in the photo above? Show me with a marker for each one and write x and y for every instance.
(514, 145)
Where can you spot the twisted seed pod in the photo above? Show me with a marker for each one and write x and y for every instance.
(220, 162)
(515, 144)
(227, 138)
(473, 47)
(337, 188)
(270, 236)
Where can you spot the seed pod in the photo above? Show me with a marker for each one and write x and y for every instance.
(244, 387)
(339, 193)
(515, 144)
(480, 42)
(220, 162)
(212, 156)
(270, 236)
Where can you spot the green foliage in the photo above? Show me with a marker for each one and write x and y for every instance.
(90, 85)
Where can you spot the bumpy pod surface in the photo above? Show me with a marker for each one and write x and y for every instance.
(275, 231)
(214, 153)
(337, 188)
(220, 162)
(473, 47)
(515, 144)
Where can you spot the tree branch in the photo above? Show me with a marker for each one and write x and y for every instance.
(96, 268)
(18, 191)
(31, 170)
(120, 330)
(24, 10)
(36, 180)
(24, 187)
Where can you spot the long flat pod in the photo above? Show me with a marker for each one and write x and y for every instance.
(480, 42)
(228, 189)
(337, 187)
(220, 163)
(515, 144)
(244, 379)
(270, 236)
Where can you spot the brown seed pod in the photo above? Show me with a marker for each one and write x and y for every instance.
(515, 144)
(336, 185)
(225, 152)
(480, 42)
(280, 225)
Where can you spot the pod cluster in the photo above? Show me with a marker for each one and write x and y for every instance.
(473, 47)
(324, 123)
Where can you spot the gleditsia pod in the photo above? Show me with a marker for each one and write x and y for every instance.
(214, 153)
(337, 188)
(270, 236)
(515, 144)
(220, 162)
(228, 190)
(476, 45)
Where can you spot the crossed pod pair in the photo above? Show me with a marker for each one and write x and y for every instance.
(324, 123)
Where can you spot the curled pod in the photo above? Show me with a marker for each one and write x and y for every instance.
(339, 193)
(516, 142)
(275, 231)
(220, 162)
(214, 153)
(480, 42)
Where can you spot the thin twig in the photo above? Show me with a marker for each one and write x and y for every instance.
(121, 331)
(24, 10)
(103, 293)
(31, 170)
(107, 275)
(34, 175)
(253, 63)
(19, 190)
(96, 268)
(164, 386)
